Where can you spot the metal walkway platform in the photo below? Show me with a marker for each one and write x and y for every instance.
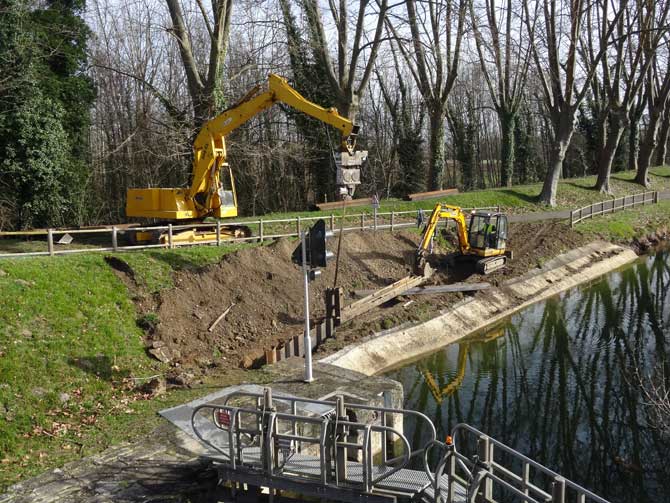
(354, 452)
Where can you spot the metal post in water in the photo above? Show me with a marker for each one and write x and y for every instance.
(308, 339)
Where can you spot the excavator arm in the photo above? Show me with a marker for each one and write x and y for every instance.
(425, 246)
(212, 189)
(209, 145)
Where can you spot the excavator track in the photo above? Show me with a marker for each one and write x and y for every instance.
(190, 236)
(489, 264)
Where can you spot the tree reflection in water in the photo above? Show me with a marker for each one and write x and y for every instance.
(561, 385)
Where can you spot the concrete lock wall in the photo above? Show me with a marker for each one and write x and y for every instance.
(388, 349)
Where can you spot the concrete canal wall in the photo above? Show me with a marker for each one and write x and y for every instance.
(388, 349)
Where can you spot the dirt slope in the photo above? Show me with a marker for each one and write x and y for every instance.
(267, 292)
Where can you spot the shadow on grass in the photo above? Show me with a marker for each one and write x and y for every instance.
(97, 365)
(176, 261)
(520, 195)
(589, 186)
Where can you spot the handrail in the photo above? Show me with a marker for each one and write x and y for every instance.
(269, 432)
(348, 405)
(526, 461)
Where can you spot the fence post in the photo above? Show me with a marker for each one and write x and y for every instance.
(115, 239)
(297, 225)
(392, 220)
(484, 448)
(362, 221)
(558, 490)
(572, 219)
(170, 244)
(50, 242)
(332, 222)
(656, 197)
(261, 230)
(218, 233)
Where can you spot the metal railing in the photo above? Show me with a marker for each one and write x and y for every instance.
(487, 473)
(612, 205)
(268, 430)
(262, 230)
(268, 439)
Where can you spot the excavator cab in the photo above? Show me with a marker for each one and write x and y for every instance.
(487, 230)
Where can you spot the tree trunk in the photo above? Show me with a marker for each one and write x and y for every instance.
(647, 146)
(437, 157)
(562, 139)
(663, 136)
(634, 139)
(608, 143)
(507, 148)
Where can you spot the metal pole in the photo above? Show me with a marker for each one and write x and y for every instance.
(308, 339)
(50, 242)
(115, 240)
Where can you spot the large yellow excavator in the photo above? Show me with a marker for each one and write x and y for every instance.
(212, 190)
(483, 240)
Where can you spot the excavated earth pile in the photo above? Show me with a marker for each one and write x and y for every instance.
(263, 292)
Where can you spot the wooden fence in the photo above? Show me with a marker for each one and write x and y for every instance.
(110, 239)
(612, 205)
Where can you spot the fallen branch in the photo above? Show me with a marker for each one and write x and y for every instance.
(223, 315)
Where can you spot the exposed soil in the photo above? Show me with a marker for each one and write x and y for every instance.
(264, 292)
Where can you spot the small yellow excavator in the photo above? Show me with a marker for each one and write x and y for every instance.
(483, 240)
(212, 190)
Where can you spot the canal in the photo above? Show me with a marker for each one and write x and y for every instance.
(560, 382)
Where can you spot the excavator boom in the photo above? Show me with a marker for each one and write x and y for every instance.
(212, 191)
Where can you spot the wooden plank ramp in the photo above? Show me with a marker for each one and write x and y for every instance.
(432, 290)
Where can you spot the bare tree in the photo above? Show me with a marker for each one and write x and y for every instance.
(349, 74)
(204, 78)
(407, 124)
(564, 84)
(656, 96)
(622, 71)
(663, 136)
(504, 60)
(436, 30)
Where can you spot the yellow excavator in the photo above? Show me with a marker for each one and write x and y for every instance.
(483, 240)
(212, 190)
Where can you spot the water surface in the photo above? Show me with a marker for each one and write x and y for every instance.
(559, 382)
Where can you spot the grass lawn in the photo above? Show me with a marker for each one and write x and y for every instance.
(69, 350)
(626, 225)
